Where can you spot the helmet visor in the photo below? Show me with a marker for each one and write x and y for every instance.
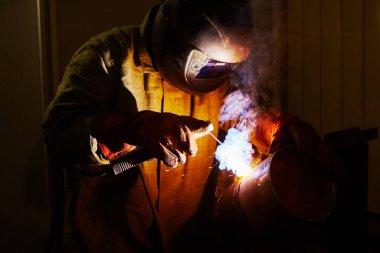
(201, 70)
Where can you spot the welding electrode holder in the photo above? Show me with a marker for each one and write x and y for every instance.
(117, 165)
(129, 160)
(139, 155)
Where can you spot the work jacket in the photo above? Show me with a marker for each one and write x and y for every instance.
(151, 207)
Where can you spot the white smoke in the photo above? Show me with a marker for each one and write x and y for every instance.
(235, 153)
(254, 82)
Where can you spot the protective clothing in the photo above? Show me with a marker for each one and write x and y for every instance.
(197, 44)
(152, 207)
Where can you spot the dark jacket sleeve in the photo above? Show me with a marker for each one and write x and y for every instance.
(85, 93)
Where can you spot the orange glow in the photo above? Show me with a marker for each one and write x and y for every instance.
(227, 53)
(263, 134)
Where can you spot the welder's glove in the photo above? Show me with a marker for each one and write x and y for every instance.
(168, 136)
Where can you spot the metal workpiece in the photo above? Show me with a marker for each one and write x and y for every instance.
(288, 186)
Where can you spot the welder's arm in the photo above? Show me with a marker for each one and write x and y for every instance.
(84, 94)
(80, 117)
(167, 136)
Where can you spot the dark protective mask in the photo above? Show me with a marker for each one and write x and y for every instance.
(197, 44)
(201, 71)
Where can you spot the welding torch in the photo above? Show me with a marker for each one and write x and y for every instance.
(130, 159)
(137, 156)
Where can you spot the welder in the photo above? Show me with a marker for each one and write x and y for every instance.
(157, 86)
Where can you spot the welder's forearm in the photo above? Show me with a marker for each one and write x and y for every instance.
(70, 142)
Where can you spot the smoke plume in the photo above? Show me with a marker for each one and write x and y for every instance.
(253, 87)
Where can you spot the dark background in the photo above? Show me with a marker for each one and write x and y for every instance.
(29, 73)
(323, 57)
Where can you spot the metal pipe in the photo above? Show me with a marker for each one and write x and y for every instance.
(287, 186)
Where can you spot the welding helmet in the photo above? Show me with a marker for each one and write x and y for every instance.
(196, 44)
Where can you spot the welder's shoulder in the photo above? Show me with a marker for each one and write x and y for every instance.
(111, 44)
(117, 36)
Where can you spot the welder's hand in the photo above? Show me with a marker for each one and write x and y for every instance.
(168, 136)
